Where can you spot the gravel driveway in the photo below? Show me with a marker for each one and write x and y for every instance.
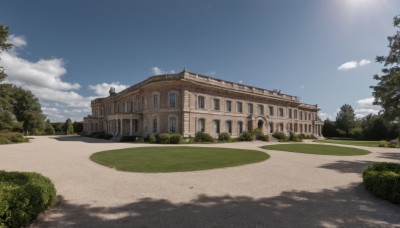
(287, 190)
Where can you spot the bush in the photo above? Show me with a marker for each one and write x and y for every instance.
(100, 135)
(127, 138)
(280, 136)
(23, 196)
(4, 140)
(263, 138)
(383, 180)
(246, 136)
(175, 139)
(295, 138)
(12, 137)
(164, 138)
(152, 138)
(224, 137)
(203, 137)
(394, 143)
(383, 143)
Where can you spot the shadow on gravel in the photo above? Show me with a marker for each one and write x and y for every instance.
(78, 138)
(348, 166)
(344, 207)
(390, 155)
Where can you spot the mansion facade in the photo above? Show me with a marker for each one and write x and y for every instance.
(186, 103)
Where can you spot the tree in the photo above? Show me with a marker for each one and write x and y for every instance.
(49, 129)
(329, 129)
(387, 91)
(3, 46)
(27, 109)
(345, 119)
(78, 127)
(68, 127)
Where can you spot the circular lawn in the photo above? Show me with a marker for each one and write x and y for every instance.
(175, 159)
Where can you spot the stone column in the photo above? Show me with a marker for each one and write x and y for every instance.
(116, 126)
(130, 126)
(122, 127)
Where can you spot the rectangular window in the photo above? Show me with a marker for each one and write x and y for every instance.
(295, 127)
(309, 116)
(172, 124)
(240, 127)
(239, 107)
(216, 126)
(216, 104)
(136, 124)
(301, 128)
(250, 125)
(271, 127)
(228, 105)
(290, 127)
(250, 108)
(201, 125)
(301, 115)
(281, 112)
(172, 100)
(229, 126)
(200, 102)
(281, 127)
(155, 101)
(271, 110)
(260, 109)
(155, 125)
(305, 115)
(295, 114)
(290, 114)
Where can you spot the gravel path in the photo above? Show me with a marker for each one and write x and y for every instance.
(288, 190)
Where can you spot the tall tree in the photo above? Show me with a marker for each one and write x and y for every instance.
(345, 119)
(329, 129)
(3, 46)
(68, 127)
(387, 91)
(27, 109)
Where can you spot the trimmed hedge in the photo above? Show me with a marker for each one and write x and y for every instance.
(224, 137)
(383, 180)
(23, 196)
(164, 138)
(101, 135)
(282, 137)
(246, 136)
(175, 139)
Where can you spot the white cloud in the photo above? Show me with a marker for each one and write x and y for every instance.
(348, 65)
(103, 88)
(58, 98)
(157, 71)
(212, 73)
(324, 116)
(354, 64)
(240, 81)
(364, 62)
(17, 41)
(43, 73)
(365, 107)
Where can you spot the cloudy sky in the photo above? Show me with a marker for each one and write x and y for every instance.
(70, 52)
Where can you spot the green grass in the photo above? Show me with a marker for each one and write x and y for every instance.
(317, 149)
(175, 159)
(350, 142)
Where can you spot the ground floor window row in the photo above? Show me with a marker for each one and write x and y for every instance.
(270, 127)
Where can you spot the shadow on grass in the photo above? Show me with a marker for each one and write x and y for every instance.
(352, 206)
(77, 138)
(348, 166)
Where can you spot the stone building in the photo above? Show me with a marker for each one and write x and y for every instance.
(186, 103)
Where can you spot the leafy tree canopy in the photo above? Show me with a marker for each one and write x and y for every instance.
(345, 119)
(387, 91)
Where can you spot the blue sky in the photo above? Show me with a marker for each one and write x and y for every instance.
(69, 52)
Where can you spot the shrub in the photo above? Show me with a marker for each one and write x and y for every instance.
(4, 140)
(127, 138)
(394, 143)
(152, 138)
(100, 135)
(383, 143)
(203, 137)
(383, 180)
(224, 137)
(295, 138)
(23, 196)
(164, 138)
(246, 136)
(280, 136)
(175, 139)
(263, 138)
(13, 137)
